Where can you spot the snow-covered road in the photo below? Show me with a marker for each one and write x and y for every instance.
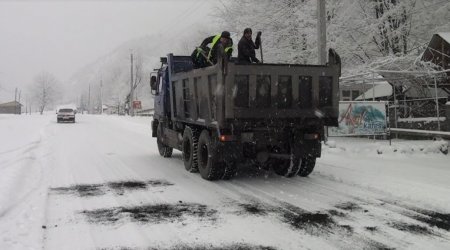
(101, 184)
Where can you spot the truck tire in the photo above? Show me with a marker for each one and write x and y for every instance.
(289, 167)
(209, 166)
(307, 166)
(164, 151)
(190, 145)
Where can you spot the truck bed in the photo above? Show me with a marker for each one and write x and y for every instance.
(221, 94)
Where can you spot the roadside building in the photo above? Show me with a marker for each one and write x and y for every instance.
(13, 107)
(438, 52)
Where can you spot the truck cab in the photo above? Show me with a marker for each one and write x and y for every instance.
(160, 84)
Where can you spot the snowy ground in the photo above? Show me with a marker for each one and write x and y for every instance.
(101, 184)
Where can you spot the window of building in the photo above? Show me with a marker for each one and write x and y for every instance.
(355, 94)
(346, 95)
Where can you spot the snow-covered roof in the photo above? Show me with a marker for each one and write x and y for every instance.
(445, 36)
(380, 89)
(10, 104)
(417, 91)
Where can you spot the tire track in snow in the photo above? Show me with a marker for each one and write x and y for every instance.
(116, 170)
(354, 217)
(295, 197)
(25, 209)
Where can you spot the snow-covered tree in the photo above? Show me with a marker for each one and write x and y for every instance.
(361, 31)
(44, 90)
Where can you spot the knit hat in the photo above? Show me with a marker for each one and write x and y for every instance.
(247, 30)
(226, 34)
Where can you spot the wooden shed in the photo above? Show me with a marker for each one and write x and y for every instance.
(13, 107)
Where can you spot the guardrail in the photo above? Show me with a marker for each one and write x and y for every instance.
(425, 133)
(144, 112)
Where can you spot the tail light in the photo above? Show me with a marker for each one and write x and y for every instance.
(225, 138)
(314, 136)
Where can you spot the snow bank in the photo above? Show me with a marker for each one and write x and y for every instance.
(356, 145)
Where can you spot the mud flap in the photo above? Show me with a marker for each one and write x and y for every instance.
(154, 127)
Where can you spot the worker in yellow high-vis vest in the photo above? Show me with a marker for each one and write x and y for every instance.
(205, 55)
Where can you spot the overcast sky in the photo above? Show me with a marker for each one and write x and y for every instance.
(62, 36)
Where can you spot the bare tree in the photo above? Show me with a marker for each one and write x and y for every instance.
(44, 90)
(138, 72)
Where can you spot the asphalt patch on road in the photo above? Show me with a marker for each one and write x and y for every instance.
(118, 187)
(319, 223)
(236, 246)
(411, 228)
(302, 219)
(371, 229)
(221, 247)
(253, 209)
(336, 213)
(347, 228)
(433, 219)
(155, 214)
(80, 190)
(298, 218)
(371, 244)
(348, 206)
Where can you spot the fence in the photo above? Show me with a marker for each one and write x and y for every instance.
(429, 105)
(144, 112)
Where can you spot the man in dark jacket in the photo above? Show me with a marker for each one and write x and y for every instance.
(246, 47)
(204, 56)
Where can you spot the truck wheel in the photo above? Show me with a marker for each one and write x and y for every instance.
(230, 170)
(307, 166)
(164, 151)
(190, 145)
(289, 167)
(208, 163)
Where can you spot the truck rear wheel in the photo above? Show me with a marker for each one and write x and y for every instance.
(164, 151)
(307, 166)
(190, 145)
(289, 167)
(209, 166)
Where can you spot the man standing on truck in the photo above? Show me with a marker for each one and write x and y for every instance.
(246, 47)
(204, 56)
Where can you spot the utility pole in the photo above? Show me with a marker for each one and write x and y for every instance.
(101, 96)
(118, 105)
(15, 101)
(132, 88)
(89, 99)
(20, 107)
(321, 32)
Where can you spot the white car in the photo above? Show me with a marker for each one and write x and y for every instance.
(65, 114)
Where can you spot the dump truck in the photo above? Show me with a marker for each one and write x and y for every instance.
(228, 115)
